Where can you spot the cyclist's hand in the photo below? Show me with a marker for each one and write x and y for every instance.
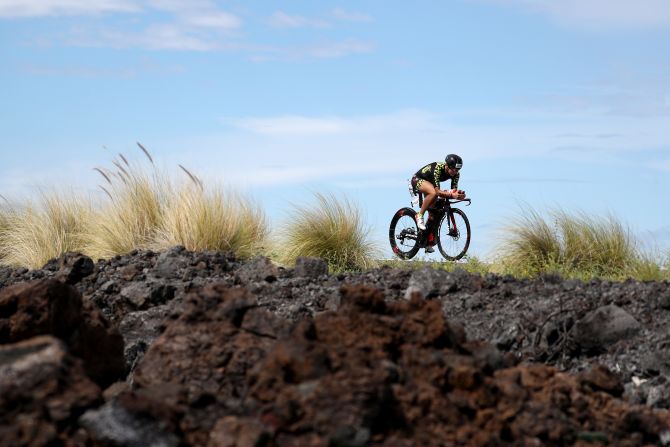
(457, 194)
(452, 193)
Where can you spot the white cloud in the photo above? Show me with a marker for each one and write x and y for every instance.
(601, 14)
(214, 19)
(155, 37)
(635, 94)
(281, 19)
(195, 27)
(350, 16)
(181, 5)
(326, 50)
(37, 8)
(388, 143)
(197, 13)
(292, 125)
(91, 71)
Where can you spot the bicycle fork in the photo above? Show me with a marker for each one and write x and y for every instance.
(453, 231)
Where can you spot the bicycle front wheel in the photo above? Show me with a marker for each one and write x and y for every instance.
(404, 234)
(454, 235)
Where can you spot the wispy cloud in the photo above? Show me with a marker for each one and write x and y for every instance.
(292, 125)
(93, 72)
(296, 125)
(159, 36)
(350, 16)
(600, 14)
(323, 50)
(280, 19)
(392, 140)
(633, 95)
(38, 8)
(211, 19)
(197, 25)
(184, 26)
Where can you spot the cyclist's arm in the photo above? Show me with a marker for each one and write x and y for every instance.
(442, 193)
(437, 173)
(454, 180)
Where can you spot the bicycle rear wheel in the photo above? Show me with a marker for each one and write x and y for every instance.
(454, 235)
(404, 234)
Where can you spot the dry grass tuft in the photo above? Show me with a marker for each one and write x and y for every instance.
(33, 234)
(141, 210)
(578, 246)
(130, 218)
(332, 229)
(149, 211)
(216, 220)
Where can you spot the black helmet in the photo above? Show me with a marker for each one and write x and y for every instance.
(454, 161)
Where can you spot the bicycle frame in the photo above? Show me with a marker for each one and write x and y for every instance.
(435, 215)
(433, 234)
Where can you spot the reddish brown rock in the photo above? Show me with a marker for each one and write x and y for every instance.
(43, 390)
(200, 362)
(370, 373)
(50, 307)
(132, 419)
(400, 374)
(73, 267)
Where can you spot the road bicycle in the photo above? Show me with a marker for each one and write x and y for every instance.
(446, 227)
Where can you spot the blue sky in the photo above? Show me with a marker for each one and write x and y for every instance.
(550, 103)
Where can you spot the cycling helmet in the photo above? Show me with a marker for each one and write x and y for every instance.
(454, 161)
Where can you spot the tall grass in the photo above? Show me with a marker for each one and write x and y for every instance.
(131, 217)
(141, 209)
(579, 246)
(332, 229)
(218, 219)
(151, 210)
(530, 246)
(37, 232)
(4, 214)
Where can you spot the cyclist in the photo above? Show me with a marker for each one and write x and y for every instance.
(427, 182)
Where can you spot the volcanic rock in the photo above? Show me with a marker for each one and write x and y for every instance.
(202, 357)
(247, 353)
(259, 268)
(73, 267)
(43, 390)
(115, 424)
(310, 267)
(142, 295)
(50, 307)
(603, 327)
(140, 329)
(429, 283)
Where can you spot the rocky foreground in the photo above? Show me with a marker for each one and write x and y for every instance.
(181, 348)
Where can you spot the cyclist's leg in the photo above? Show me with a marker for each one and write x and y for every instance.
(429, 195)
